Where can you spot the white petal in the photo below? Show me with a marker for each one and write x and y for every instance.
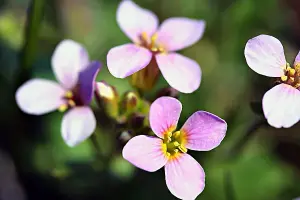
(68, 59)
(281, 106)
(77, 125)
(39, 96)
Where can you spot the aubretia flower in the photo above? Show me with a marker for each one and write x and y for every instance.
(202, 131)
(76, 76)
(153, 44)
(281, 104)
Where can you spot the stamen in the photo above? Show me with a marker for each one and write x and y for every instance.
(71, 103)
(292, 79)
(69, 95)
(292, 72)
(182, 149)
(176, 151)
(144, 36)
(168, 154)
(284, 78)
(176, 134)
(176, 144)
(63, 108)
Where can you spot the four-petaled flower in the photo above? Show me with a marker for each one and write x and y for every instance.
(202, 131)
(281, 104)
(76, 75)
(151, 42)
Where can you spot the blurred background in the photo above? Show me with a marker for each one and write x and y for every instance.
(254, 161)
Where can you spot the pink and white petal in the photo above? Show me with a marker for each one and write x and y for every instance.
(185, 177)
(182, 73)
(179, 32)
(164, 115)
(204, 131)
(281, 106)
(145, 152)
(134, 20)
(78, 124)
(39, 96)
(265, 55)
(124, 60)
(68, 59)
(297, 59)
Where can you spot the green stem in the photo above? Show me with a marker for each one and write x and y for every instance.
(33, 23)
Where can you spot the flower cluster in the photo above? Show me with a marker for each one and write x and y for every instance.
(151, 138)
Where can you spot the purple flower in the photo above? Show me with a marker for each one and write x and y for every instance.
(76, 76)
(281, 104)
(141, 26)
(202, 131)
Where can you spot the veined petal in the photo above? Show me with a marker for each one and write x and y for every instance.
(204, 131)
(179, 32)
(281, 106)
(77, 125)
(86, 81)
(39, 96)
(68, 59)
(182, 73)
(164, 114)
(145, 152)
(185, 177)
(134, 20)
(265, 55)
(124, 60)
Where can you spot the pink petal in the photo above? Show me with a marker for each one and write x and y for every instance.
(124, 60)
(182, 73)
(68, 59)
(134, 20)
(178, 33)
(281, 106)
(204, 131)
(145, 152)
(77, 125)
(297, 59)
(265, 55)
(39, 96)
(164, 114)
(185, 177)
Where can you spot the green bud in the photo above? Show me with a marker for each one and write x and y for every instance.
(130, 102)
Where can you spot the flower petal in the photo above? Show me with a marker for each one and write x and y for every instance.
(39, 96)
(164, 114)
(182, 73)
(145, 152)
(204, 131)
(185, 177)
(86, 81)
(281, 106)
(134, 20)
(265, 55)
(68, 59)
(124, 60)
(77, 125)
(179, 32)
(297, 59)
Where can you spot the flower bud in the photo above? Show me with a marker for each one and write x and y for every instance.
(108, 98)
(130, 102)
(146, 78)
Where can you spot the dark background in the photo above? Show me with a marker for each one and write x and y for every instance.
(253, 162)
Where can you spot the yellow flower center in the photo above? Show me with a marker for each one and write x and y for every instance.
(291, 75)
(70, 102)
(151, 43)
(174, 143)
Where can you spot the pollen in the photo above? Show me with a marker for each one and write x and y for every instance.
(63, 108)
(174, 144)
(151, 43)
(291, 75)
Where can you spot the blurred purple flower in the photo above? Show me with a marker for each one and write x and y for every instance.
(281, 104)
(202, 131)
(141, 26)
(76, 75)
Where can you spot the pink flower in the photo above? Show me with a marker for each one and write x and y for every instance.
(281, 104)
(202, 131)
(76, 75)
(141, 26)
